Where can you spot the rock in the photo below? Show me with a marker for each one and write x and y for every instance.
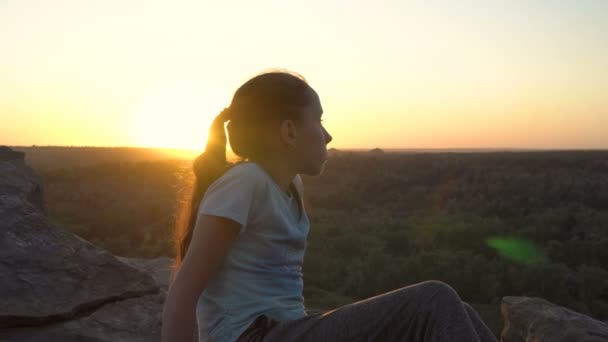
(7, 153)
(159, 268)
(134, 319)
(535, 320)
(49, 275)
(18, 183)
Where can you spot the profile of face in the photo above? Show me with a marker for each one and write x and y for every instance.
(309, 151)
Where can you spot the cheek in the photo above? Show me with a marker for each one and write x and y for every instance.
(315, 139)
(310, 133)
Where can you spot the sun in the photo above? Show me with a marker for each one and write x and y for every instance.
(174, 115)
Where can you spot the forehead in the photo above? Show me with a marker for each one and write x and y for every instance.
(315, 103)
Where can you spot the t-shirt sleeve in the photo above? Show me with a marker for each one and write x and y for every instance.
(230, 196)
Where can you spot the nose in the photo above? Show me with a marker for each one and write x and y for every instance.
(328, 138)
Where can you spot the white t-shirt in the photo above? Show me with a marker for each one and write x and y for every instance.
(262, 273)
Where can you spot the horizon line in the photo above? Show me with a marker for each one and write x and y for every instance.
(334, 148)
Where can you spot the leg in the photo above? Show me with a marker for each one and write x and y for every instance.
(427, 311)
(485, 334)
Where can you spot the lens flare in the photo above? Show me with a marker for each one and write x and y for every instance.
(518, 250)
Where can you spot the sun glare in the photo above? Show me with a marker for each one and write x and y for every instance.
(175, 115)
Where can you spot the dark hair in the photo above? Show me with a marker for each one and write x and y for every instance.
(265, 98)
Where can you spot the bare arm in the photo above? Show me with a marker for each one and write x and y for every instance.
(208, 248)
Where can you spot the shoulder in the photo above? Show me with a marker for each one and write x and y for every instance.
(245, 170)
(245, 174)
(233, 194)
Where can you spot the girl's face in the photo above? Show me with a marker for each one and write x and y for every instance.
(310, 148)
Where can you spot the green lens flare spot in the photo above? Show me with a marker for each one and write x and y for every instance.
(517, 250)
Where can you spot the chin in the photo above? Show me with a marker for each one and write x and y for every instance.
(315, 170)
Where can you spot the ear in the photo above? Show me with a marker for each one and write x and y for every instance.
(288, 133)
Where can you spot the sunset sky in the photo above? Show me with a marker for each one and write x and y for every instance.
(390, 74)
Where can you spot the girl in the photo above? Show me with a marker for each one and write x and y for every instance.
(242, 247)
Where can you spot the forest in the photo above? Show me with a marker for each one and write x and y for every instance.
(490, 224)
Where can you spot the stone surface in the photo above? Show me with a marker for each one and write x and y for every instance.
(535, 320)
(133, 319)
(159, 268)
(18, 183)
(46, 273)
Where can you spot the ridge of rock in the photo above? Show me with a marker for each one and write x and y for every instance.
(536, 319)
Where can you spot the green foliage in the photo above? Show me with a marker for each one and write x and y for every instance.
(383, 221)
(127, 208)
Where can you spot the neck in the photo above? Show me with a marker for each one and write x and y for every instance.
(278, 171)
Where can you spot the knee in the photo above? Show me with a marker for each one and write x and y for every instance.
(439, 290)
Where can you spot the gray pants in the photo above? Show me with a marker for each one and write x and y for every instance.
(427, 311)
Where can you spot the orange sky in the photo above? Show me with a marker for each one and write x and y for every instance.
(403, 74)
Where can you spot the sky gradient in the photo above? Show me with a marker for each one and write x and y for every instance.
(390, 74)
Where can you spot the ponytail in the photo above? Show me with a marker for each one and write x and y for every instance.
(207, 167)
